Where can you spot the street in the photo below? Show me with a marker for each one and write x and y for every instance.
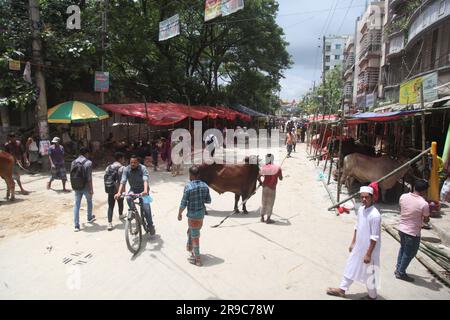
(298, 257)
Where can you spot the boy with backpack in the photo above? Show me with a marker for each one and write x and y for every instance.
(81, 181)
(113, 175)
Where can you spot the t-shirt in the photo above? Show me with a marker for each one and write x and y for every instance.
(412, 210)
(135, 178)
(271, 173)
(57, 154)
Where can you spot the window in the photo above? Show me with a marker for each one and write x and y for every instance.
(327, 68)
(328, 48)
(327, 58)
(442, 7)
(337, 57)
(338, 47)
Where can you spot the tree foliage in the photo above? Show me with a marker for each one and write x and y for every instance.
(327, 97)
(237, 59)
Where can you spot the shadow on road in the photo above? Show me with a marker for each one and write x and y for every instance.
(359, 296)
(209, 260)
(8, 202)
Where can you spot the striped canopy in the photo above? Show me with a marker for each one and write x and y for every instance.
(75, 112)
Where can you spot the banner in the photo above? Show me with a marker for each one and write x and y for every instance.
(430, 91)
(14, 65)
(169, 28)
(410, 91)
(101, 81)
(213, 9)
(231, 6)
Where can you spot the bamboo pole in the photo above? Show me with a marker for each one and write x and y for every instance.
(387, 176)
(340, 163)
(324, 134)
(329, 153)
(422, 102)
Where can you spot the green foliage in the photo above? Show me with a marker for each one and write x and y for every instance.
(237, 59)
(327, 96)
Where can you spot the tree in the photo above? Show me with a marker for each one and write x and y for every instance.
(231, 60)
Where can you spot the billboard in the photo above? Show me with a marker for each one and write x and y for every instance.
(101, 81)
(410, 91)
(169, 28)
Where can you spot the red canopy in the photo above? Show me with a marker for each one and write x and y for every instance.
(165, 114)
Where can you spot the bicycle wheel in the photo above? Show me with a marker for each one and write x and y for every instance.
(133, 232)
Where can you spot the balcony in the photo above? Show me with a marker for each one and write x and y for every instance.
(368, 80)
(396, 44)
(395, 5)
(427, 16)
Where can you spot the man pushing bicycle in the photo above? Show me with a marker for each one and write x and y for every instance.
(138, 177)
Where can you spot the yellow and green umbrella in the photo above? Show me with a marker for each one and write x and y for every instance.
(75, 112)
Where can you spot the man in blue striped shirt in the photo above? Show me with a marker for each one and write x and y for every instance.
(196, 194)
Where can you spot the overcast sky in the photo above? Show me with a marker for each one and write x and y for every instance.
(304, 22)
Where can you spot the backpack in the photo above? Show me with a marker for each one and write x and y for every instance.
(110, 179)
(78, 178)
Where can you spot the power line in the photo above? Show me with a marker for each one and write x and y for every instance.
(345, 16)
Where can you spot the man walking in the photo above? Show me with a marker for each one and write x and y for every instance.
(56, 158)
(363, 263)
(113, 175)
(271, 173)
(414, 210)
(81, 180)
(15, 148)
(289, 143)
(195, 196)
(138, 178)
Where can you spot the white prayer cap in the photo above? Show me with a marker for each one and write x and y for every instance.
(366, 190)
(269, 158)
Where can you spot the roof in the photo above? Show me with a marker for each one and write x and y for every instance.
(165, 114)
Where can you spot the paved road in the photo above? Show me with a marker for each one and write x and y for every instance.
(297, 258)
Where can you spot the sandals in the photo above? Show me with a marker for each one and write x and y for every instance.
(335, 292)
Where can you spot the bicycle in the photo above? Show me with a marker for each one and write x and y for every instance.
(133, 225)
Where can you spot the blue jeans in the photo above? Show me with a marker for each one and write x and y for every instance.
(76, 209)
(146, 207)
(409, 246)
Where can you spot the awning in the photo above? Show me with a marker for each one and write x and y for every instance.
(379, 117)
(165, 114)
(249, 111)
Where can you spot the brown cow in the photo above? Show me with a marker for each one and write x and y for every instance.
(237, 178)
(368, 169)
(6, 172)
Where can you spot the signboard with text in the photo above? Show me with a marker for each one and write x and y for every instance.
(101, 81)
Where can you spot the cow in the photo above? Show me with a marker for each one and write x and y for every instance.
(6, 172)
(368, 169)
(237, 178)
(350, 146)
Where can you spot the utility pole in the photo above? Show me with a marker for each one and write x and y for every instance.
(41, 105)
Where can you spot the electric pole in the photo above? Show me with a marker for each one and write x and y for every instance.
(41, 105)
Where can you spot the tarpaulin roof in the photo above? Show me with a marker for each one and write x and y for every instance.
(249, 111)
(378, 117)
(165, 114)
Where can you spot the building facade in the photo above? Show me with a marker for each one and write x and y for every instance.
(417, 49)
(348, 69)
(333, 52)
(368, 55)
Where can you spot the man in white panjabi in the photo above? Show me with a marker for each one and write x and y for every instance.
(363, 264)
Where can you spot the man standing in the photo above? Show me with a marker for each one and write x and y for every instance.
(363, 263)
(138, 178)
(289, 143)
(196, 194)
(56, 158)
(113, 175)
(414, 210)
(271, 173)
(81, 180)
(15, 148)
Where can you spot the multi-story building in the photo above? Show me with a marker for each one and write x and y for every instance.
(333, 52)
(417, 44)
(348, 69)
(368, 54)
